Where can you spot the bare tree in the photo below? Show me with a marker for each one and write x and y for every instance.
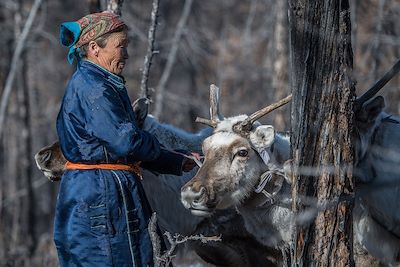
(144, 89)
(171, 58)
(280, 77)
(322, 115)
(15, 61)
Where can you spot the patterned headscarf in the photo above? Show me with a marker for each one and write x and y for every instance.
(78, 33)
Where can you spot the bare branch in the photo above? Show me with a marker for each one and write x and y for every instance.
(15, 62)
(171, 57)
(179, 239)
(144, 90)
(22, 193)
(175, 240)
(155, 240)
(247, 30)
(115, 6)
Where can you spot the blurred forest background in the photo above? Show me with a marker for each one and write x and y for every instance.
(241, 46)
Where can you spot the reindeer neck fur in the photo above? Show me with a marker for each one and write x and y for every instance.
(270, 224)
(174, 138)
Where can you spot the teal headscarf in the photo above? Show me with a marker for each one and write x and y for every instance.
(78, 33)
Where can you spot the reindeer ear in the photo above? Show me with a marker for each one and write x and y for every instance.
(263, 136)
(141, 109)
(371, 109)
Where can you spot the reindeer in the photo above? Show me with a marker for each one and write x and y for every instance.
(232, 169)
(237, 248)
(243, 169)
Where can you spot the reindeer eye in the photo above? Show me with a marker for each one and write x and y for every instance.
(242, 153)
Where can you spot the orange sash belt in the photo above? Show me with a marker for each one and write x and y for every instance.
(135, 167)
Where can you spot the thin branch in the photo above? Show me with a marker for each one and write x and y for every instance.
(165, 258)
(144, 91)
(179, 239)
(171, 57)
(115, 6)
(376, 45)
(155, 240)
(247, 30)
(22, 192)
(15, 62)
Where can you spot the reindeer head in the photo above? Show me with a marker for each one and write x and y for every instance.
(232, 166)
(367, 120)
(368, 113)
(51, 161)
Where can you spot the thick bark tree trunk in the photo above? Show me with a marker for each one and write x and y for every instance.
(322, 115)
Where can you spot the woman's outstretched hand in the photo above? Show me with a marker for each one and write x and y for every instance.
(190, 162)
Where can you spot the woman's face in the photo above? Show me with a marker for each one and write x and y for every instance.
(113, 56)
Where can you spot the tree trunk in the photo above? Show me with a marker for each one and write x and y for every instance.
(280, 77)
(322, 122)
(25, 156)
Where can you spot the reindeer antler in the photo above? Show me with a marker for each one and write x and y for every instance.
(214, 108)
(246, 125)
(377, 86)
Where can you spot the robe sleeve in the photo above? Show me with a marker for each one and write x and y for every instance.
(108, 121)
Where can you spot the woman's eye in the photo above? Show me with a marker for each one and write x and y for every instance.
(242, 153)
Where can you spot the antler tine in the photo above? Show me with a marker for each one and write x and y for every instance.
(214, 108)
(247, 123)
(207, 122)
(377, 86)
(214, 103)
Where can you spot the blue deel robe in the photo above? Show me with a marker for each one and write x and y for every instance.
(102, 215)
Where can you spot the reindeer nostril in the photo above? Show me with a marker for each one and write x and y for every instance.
(192, 197)
(186, 188)
(200, 196)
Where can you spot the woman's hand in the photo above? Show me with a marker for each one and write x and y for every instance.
(189, 162)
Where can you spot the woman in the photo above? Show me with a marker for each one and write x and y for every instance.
(102, 213)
